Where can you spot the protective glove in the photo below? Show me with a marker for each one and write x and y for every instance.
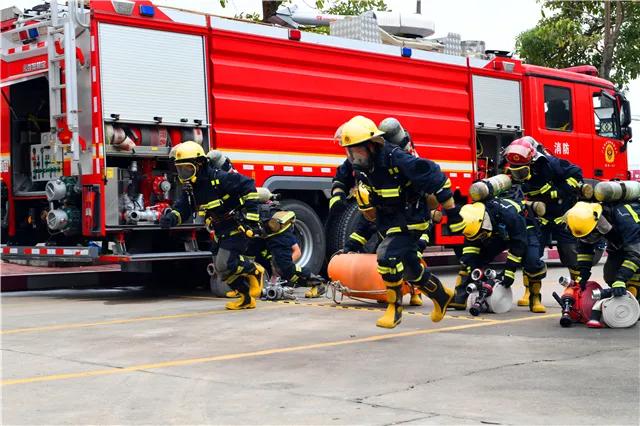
(337, 201)
(168, 220)
(506, 280)
(453, 218)
(422, 245)
(619, 291)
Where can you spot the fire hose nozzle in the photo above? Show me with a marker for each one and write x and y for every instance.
(565, 282)
(490, 274)
(476, 274)
(599, 294)
(471, 288)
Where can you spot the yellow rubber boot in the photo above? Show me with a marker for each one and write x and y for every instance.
(245, 301)
(535, 298)
(416, 298)
(524, 301)
(393, 314)
(459, 302)
(315, 291)
(439, 295)
(256, 281)
(231, 294)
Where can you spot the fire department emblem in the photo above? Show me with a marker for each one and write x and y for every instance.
(609, 152)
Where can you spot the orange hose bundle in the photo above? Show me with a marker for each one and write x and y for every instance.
(358, 272)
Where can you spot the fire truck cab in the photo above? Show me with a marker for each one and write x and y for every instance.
(94, 97)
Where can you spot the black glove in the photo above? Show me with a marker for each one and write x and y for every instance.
(422, 245)
(453, 218)
(506, 280)
(619, 291)
(168, 220)
(337, 201)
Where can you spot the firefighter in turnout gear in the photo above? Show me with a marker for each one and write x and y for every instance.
(619, 224)
(278, 246)
(489, 228)
(366, 228)
(397, 183)
(553, 181)
(229, 204)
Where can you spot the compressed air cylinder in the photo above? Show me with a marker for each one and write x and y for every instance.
(358, 272)
(490, 187)
(394, 132)
(627, 190)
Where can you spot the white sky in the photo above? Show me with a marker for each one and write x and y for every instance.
(497, 22)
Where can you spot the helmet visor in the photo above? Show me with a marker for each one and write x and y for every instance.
(360, 156)
(520, 173)
(186, 171)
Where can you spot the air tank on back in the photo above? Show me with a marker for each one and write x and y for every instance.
(394, 132)
(490, 187)
(627, 190)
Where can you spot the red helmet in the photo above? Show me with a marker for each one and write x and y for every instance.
(520, 152)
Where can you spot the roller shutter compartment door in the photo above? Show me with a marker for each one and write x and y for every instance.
(148, 73)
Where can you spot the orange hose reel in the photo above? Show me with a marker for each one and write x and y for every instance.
(358, 273)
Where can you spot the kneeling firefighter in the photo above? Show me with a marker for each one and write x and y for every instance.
(229, 204)
(397, 183)
(277, 245)
(619, 224)
(491, 227)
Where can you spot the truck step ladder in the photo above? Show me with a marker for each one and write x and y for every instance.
(62, 30)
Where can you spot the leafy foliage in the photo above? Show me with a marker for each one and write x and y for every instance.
(605, 34)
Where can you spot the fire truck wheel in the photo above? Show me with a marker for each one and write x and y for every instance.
(310, 234)
(340, 227)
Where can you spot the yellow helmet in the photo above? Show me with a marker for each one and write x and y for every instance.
(582, 218)
(361, 195)
(185, 155)
(358, 130)
(188, 150)
(472, 217)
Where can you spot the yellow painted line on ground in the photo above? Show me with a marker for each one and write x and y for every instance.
(287, 349)
(366, 308)
(69, 326)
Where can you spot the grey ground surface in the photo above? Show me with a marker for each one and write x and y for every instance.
(125, 356)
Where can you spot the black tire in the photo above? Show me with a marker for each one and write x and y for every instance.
(341, 226)
(310, 234)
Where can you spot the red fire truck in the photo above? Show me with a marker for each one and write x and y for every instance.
(94, 97)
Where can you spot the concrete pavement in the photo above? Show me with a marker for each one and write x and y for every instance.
(124, 356)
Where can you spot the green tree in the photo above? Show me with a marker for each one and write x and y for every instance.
(605, 34)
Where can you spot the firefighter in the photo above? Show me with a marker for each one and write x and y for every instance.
(619, 224)
(365, 228)
(278, 245)
(491, 227)
(397, 183)
(229, 203)
(557, 183)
